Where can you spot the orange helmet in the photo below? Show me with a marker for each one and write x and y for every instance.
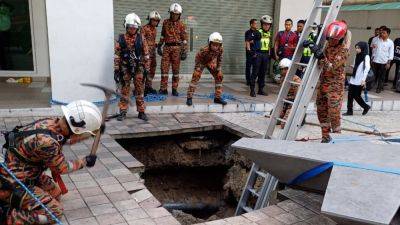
(336, 30)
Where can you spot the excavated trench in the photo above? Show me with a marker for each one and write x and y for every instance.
(196, 176)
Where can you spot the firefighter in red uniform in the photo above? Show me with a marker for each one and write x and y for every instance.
(174, 38)
(131, 60)
(36, 147)
(209, 57)
(149, 32)
(331, 87)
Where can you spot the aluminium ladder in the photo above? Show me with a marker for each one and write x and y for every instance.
(298, 110)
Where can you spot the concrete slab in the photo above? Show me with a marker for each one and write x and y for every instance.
(360, 189)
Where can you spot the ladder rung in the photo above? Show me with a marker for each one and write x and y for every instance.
(294, 83)
(282, 120)
(288, 102)
(261, 174)
(323, 6)
(301, 64)
(247, 209)
(254, 192)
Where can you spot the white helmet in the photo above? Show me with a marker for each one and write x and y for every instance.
(266, 19)
(82, 116)
(154, 15)
(175, 8)
(285, 63)
(215, 37)
(132, 20)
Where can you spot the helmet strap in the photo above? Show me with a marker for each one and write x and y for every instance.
(74, 123)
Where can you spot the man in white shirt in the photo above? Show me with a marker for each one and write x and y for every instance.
(383, 52)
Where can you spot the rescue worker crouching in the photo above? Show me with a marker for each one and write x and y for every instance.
(330, 91)
(261, 57)
(149, 32)
(36, 147)
(209, 57)
(174, 38)
(131, 61)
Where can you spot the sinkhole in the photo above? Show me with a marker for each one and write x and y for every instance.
(196, 176)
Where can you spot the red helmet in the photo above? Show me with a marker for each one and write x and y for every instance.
(336, 30)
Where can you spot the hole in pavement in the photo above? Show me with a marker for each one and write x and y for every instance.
(196, 176)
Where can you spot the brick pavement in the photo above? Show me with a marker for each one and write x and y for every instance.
(112, 192)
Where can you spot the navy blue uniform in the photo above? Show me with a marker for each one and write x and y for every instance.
(252, 36)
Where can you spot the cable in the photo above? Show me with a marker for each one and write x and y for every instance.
(31, 194)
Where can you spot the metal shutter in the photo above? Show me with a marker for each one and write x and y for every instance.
(230, 18)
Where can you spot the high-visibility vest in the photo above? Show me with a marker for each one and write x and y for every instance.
(307, 51)
(265, 40)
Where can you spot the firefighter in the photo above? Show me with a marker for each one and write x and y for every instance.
(284, 66)
(149, 32)
(36, 147)
(174, 38)
(209, 57)
(330, 91)
(131, 60)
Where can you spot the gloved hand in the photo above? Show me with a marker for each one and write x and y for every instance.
(183, 56)
(116, 76)
(102, 128)
(159, 50)
(90, 160)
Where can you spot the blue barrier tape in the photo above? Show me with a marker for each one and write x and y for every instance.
(31, 194)
(326, 166)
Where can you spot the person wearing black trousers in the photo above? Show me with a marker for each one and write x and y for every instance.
(361, 68)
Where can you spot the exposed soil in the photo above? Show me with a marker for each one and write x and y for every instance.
(197, 176)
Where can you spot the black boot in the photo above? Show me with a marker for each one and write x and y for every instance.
(189, 102)
(143, 116)
(252, 92)
(163, 92)
(261, 92)
(326, 139)
(121, 116)
(150, 90)
(348, 113)
(220, 101)
(175, 92)
(366, 110)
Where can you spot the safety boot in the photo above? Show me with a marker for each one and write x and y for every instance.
(121, 116)
(220, 101)
(261, 92)
(189, 101)
(175, 93)
(252, 91)
(163, 92)
(143, 116)
(326, 139)
(149, 90)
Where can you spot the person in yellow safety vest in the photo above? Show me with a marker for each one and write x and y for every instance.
(307, 53)
(261, 58)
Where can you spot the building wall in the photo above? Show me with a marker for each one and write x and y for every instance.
(230, 18)
(294, 9)
(81, 47)
(363, 23)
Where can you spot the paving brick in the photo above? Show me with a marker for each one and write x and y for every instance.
(146, 221)
(157, 212)
(217, 222)
(74, 204)
(134, 214)
(71, 195)
(112, 188)
(85, 184)
(272, 210)
(141, 195)
(287, 218)
(80, 177)
(87, 192)
(107, 181)
(321, 220)
(78, 214)
(237, 220)
(255, 215)
(102, 209)
(166, 220)
(303, 213)
(85, 221)
(133, 186)
(151, 202)
(118, 196)
(110, 219)
(96, 200)
(269, 221)
(288, 205)
(126, 204)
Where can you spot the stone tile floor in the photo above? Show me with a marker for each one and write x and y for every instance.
(113, 193)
